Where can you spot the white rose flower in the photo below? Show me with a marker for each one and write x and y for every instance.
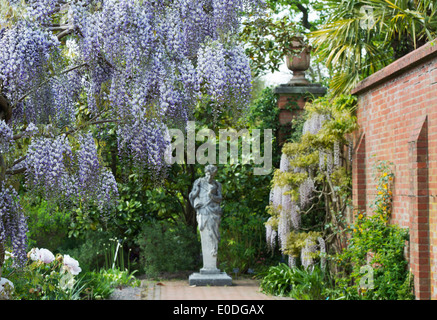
(8, 255)
(67, 281)
(46, 256)
(42, 254)
(71, 265)
(34, 254)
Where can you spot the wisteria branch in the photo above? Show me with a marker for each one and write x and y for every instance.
(15, 171)
(2, 168)
(64, 33)
(319, 197)
(18, 161)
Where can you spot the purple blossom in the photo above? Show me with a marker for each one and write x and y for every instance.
(88, 162)
(46, 167)
(5, 137)
(13, 223)
(24, 51)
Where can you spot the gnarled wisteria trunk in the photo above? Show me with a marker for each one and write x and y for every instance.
(2, 257)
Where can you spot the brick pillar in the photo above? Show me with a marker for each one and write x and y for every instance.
(419, 210)
(359, 174)
(291, 103)
(290, 107)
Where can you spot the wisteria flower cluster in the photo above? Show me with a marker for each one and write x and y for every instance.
(54, 170)
(289, 210)
(13, 223)
(24, 53)
(150, 60)
(47, 167)
(6, 136)
(41, 10)
(224, 74)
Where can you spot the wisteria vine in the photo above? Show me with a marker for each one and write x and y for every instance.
(141, 64)
(290, 200)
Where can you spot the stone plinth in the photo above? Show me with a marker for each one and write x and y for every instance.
(209, 279)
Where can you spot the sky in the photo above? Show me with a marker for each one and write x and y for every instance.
(274, 79)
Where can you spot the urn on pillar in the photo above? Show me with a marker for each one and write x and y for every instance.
(293, 96)
(299, 63)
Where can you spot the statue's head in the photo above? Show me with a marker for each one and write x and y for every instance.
(210, 171)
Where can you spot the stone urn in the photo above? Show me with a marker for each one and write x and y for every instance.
(298, 63)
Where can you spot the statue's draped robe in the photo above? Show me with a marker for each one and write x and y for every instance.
(208, 211)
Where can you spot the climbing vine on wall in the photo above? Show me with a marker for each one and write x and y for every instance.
(373, 265)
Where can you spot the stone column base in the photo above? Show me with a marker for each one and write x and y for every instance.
(210, 279)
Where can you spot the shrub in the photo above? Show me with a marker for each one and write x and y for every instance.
(48, 228)
(379, 247)
(91, 250)
(100, 285)
(166, 247)
(49, 278)
(53, 278)
(278, 280)
(298, 283)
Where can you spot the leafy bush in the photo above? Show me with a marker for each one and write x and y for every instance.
(379, 246)
(298, 283)
(51, 279)
(48, 228)
(242, 230)
(54, 279)
(165, 247)
(91, 250)
(278, 280)
(100, 285)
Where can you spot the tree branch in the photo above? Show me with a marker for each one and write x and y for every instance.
(15, 171)
(18, 161)
(64, 33)
(305, 22)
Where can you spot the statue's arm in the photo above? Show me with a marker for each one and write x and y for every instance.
(195, 192)
(217, 197)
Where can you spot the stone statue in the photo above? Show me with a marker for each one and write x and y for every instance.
(205, 199)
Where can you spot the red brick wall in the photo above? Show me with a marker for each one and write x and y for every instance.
(397, 114)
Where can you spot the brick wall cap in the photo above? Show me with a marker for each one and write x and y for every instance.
(407, 62)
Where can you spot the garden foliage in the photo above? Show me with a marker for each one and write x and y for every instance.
(376, 243)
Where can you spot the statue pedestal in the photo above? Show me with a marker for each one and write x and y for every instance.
(209, 279)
